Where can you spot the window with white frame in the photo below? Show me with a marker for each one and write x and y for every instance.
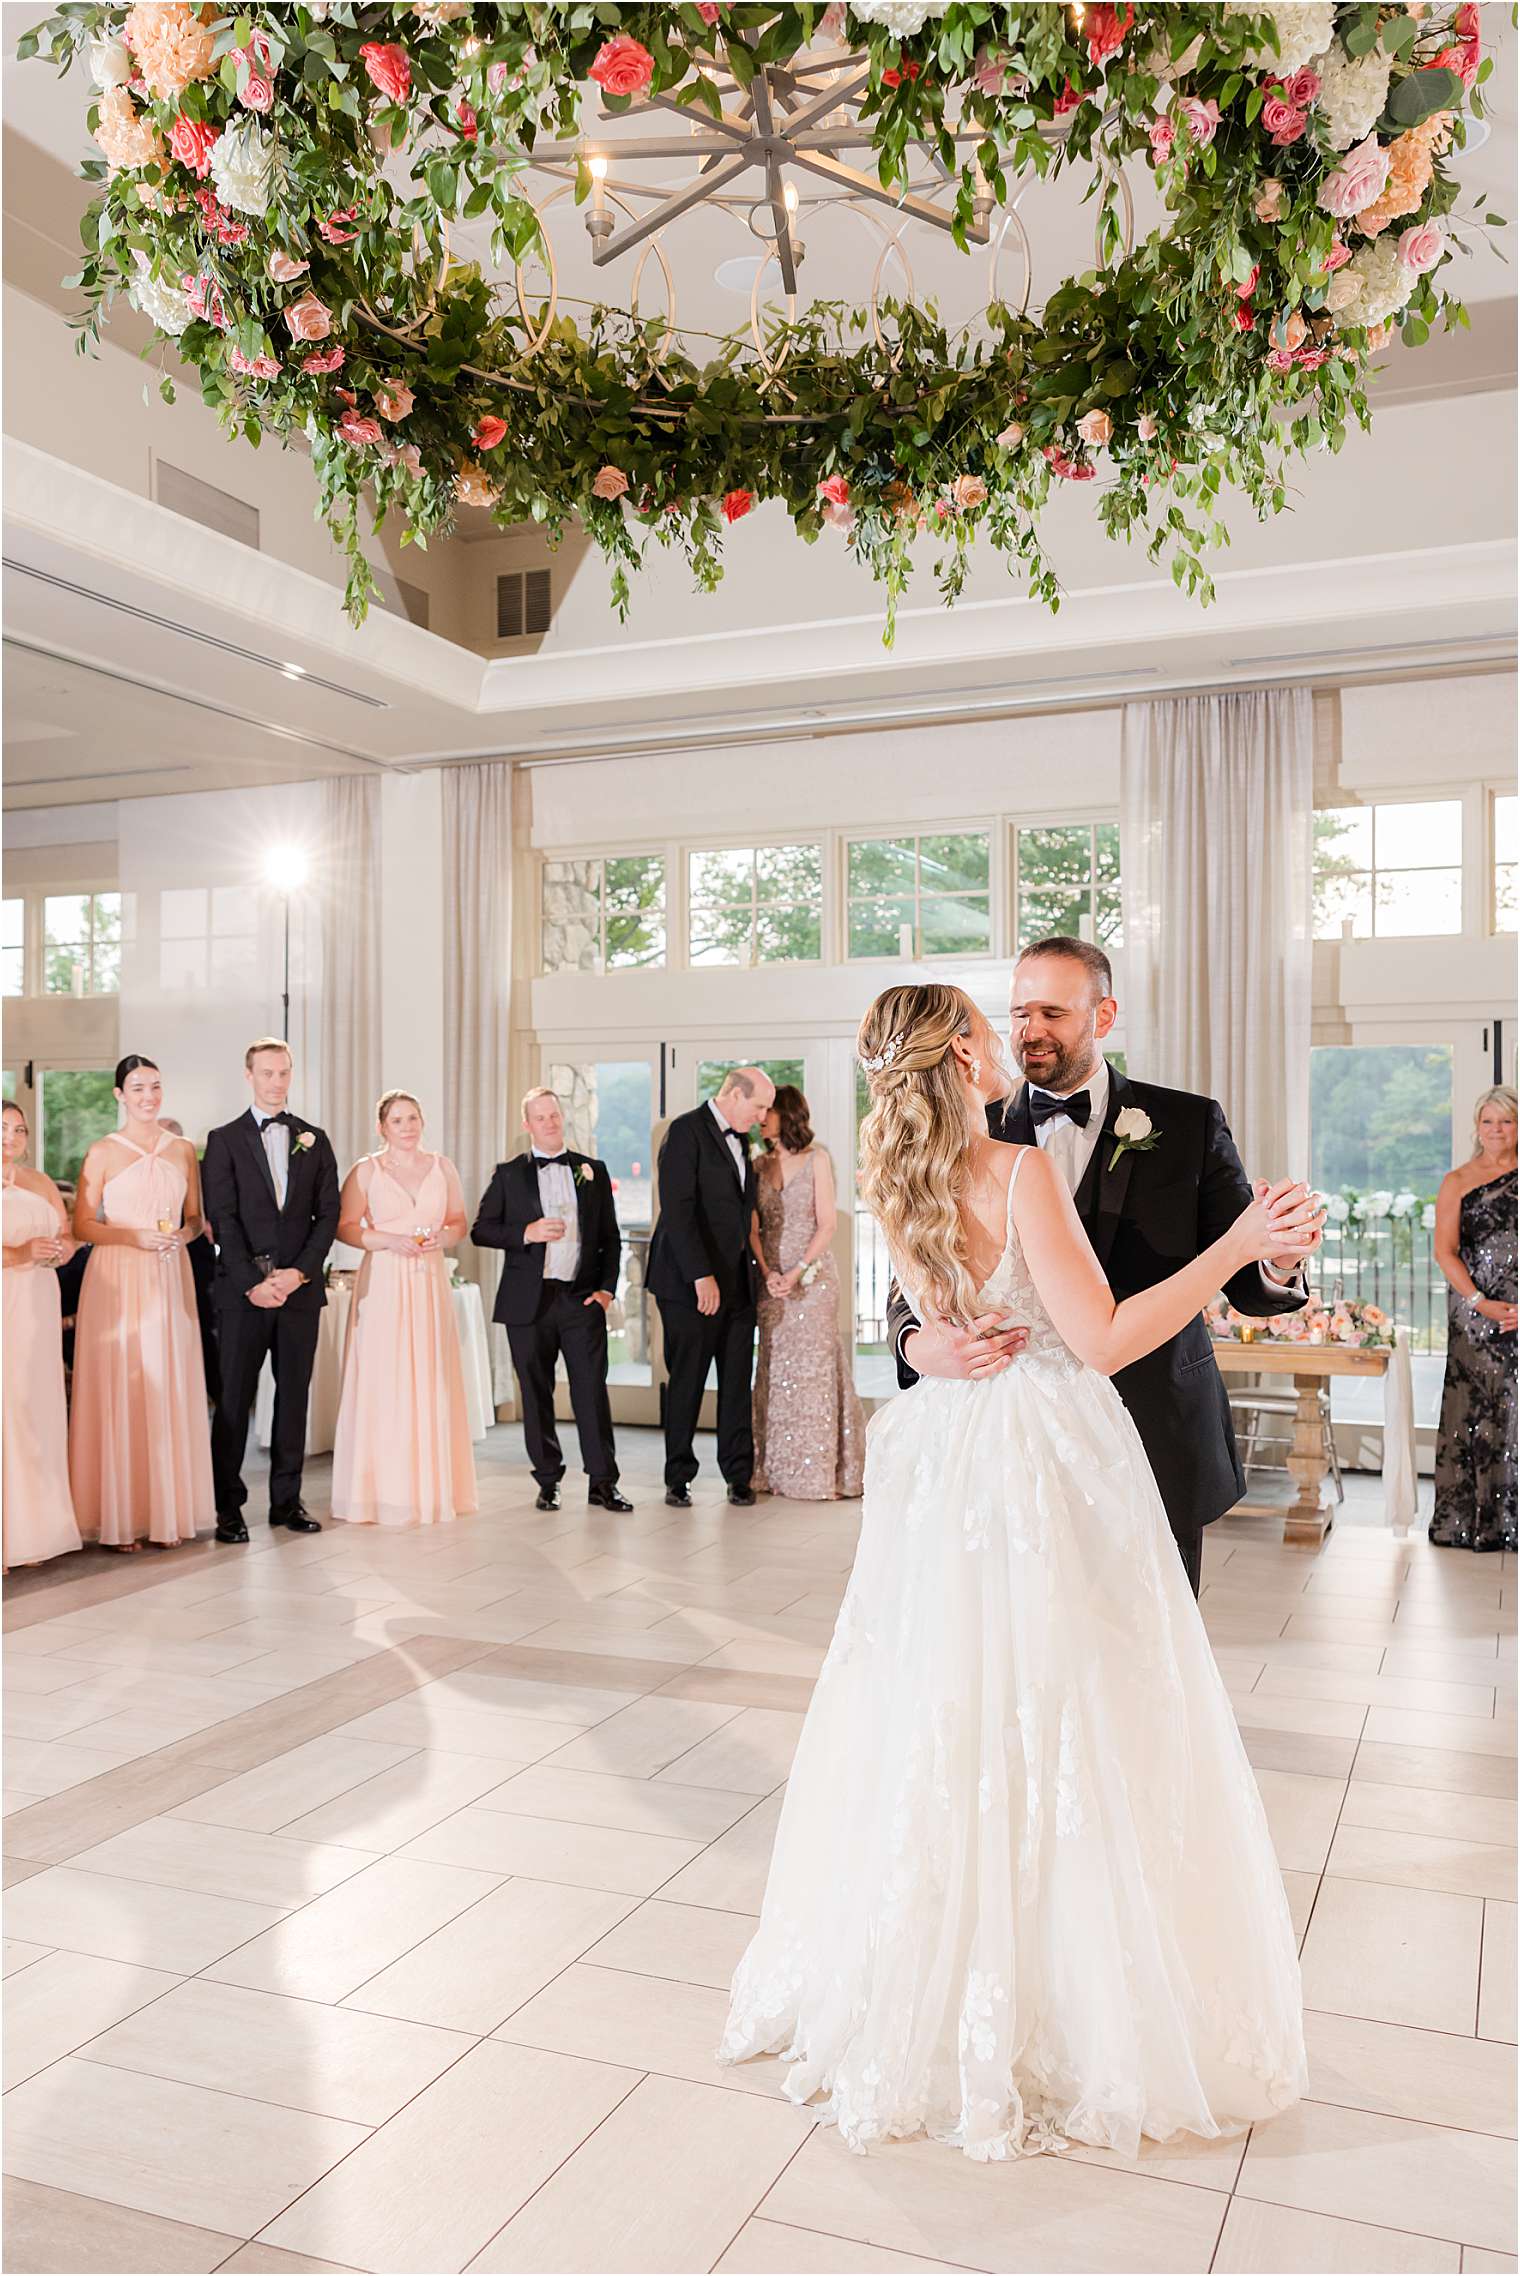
(1066, 880)
(1505, 826)
(756, 905)
(603, 913)
(1389, 871)
(13, 948)
(920, 895)
(208, 938)
(81, 940)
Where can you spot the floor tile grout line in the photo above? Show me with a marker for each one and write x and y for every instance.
(773, 2183)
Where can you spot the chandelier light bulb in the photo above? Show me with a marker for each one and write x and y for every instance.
(598, 221)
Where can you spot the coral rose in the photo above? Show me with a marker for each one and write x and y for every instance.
(170, 45)
(490, 432)
(308, 318)
(393, 401)
(389, 68)
(325, 360)
(335, 230)
(1357, 180)
(466, 121)
(192, 143)
(206, 301)
(283, 270)
(737, 503)
(622, 66)
(1244, 320)
(1105, 29)
(253, 367)
(1096, 428)
(1420, 249)
(836, 489)
(355, 429)
(609, 482)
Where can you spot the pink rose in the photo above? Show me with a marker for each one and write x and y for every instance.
(1336, 258)
(335, 228)
(253, 367)
(836, 489)
(256, 93)
(737, 503)
(192, 143)
(1202, 119)
(1279, 360)
(393, 401)
(1096, 428)
(1303, 88)
(1422, 247)
(838, 517)
(355, 429)
(466, 121)
(969, 492)
(1244, 291)
(1146, 428)
(489, 433)
(329, 359)
(622, 66)
(610, 483)
(1343, 291)
(308, 318)
(283, 270)
(1163, 133)
(709, 11)
(1069, 469)
(1361, 176)
(496, 77)
(989, 75)
(1310, 359)
(1283, 122)
(388, 68)
(206, 301)
(1011, 436)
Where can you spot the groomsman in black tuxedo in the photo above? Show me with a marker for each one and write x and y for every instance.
(702, 1273)
(270, 1187)
(1147, 1210)
(551, 1212)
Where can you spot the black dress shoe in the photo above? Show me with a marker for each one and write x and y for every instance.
(676, 1497)
(607, 1497)
(742, 1497)
(231, 1528)
(548, 1498)
(295, 1519)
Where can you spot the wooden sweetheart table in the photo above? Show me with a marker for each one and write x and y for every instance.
(1308, 1515)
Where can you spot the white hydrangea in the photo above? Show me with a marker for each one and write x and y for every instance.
(900, 17)
(1302, 32)
(1373, 286)
(110, 64)
(1353, 93)
(164, 306)
(1337, 1208)
(242, 161)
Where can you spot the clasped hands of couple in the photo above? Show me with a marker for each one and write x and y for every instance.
(1281, 1227)
(547, 1229)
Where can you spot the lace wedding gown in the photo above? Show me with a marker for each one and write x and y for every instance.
(1023, 1892)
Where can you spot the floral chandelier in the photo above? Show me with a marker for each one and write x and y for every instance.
(281, 189)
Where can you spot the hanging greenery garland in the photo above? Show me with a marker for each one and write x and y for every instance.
(249, 206)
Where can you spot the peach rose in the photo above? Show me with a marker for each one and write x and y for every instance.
(1270, 200)
(472, 489)
(1421, 248)
(308, 318)
(969, 492)
(283, 270)
(1357, 180)
(1146, 427)
(394, 401)
(610, 482)
(1096, 428)
(622, 66)
(1011, 436)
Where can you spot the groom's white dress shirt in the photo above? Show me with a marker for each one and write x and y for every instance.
(276, 1139)
(556, 1198)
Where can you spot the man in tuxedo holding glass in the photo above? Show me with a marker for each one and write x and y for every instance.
(269, 1182)
(1156, 1179)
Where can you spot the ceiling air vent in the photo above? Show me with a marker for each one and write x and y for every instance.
(402, 599)
(523, 603)
(202, 502)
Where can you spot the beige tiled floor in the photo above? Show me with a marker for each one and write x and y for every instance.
(372, 1903)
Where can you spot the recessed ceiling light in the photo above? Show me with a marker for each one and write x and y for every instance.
(1478, 132)
(739, 274)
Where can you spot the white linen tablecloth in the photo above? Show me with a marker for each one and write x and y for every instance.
(327, 1369)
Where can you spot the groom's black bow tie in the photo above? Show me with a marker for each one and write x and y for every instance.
(1044, 1108)
(281, 1121)
(552, 1161)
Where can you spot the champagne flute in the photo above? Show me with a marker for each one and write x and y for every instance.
(265, 1264)
(165, 1225)
(421, 1233)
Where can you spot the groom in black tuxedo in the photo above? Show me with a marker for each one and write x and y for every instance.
(1147, 1213)
(270, 1187)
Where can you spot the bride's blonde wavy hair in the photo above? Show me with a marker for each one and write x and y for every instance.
(915, 1141)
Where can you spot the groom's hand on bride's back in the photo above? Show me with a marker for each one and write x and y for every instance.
(964, 1354)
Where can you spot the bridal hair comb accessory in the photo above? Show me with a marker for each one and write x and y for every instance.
(885, 1058)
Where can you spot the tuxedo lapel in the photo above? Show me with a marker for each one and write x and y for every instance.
(720, 1146)
(1105, 1183)
(1011, 1120)
(583, 1193)
(254, 1139)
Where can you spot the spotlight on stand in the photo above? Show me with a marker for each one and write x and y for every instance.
(286, 870)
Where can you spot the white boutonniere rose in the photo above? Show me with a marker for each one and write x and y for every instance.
(1133, 1133)
(305, 1138)
(585, 1173)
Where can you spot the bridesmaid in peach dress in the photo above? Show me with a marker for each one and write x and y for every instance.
(39, 1509)
(139, 1438)
(402, 1453)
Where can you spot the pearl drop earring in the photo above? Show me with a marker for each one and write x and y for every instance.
(976, 1070)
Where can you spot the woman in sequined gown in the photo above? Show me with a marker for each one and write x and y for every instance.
(809, 1424)
(1475, 1248)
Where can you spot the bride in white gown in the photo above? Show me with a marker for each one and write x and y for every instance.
(1022, 1893)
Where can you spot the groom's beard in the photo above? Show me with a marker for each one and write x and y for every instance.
(1050, 1068)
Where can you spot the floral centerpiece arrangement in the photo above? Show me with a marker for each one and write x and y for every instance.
(1364, 1327)
(276, 188)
